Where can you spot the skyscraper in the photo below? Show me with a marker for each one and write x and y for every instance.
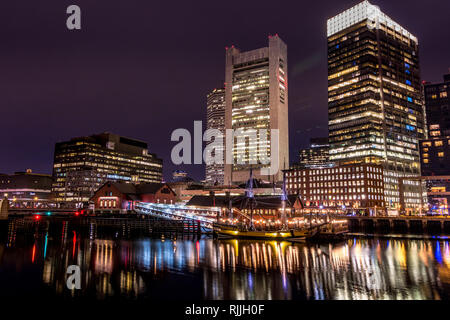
(83, 164)
(376, 114)
(215, 119)
(437, 104)
(256, 98)
(435, 150)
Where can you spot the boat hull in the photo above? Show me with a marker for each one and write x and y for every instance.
(265, 235)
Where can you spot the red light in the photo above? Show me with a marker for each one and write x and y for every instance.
(77, 213)
(37, 217)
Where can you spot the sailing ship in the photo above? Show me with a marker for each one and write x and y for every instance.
(247, 229)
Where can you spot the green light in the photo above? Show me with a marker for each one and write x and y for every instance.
(49, 213)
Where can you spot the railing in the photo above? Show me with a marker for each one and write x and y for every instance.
(178, 212)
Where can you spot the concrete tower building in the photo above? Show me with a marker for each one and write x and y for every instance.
(256, 97)
(215, 119)
(376, 112)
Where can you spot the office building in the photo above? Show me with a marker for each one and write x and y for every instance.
(435, 150)
(215, 119)
(376, 113)
(357, 188)
(81, 165)
(317, 155)
(26, 189)
(437, 105)
(256, 98)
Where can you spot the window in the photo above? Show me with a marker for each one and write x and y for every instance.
(440, 154)
(425, 160)
(435, 133)
(438, 143)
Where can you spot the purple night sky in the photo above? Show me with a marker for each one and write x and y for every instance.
(143, 68)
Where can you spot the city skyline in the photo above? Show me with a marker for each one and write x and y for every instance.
(80, 74)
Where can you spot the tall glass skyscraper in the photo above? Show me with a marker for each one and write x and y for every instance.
(376, 112)
(215, 119)
(256, 97)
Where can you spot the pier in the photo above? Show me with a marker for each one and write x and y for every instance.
(407, 223)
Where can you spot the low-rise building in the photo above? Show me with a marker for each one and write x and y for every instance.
(120, 196)
(26, 189)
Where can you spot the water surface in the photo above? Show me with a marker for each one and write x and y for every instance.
(117, 264)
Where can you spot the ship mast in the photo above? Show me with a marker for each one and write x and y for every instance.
(283, 202)
(250, 196)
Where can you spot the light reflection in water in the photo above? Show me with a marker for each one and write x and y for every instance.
(235, 269)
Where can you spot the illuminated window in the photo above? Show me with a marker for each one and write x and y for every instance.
(435, 133)
(443, 94)
(434, 127)
(425, 160)
(440, 154)
(426, 144)
(438, 144)
(425, 155)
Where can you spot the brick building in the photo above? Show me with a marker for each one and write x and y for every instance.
(356, 187)
(123, 196)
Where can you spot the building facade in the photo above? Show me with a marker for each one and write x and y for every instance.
(83, 164)
(256, 98)
(435, 150)
(215, 119)
(317, 155)
(113, 196)
(348, 188)
(26, 189)
(375, 103)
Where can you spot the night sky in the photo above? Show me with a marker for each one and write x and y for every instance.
(143, 68)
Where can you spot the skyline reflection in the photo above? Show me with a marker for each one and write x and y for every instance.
(357, 268)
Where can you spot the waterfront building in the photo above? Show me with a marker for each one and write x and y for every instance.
(347, 188)
(256, 98)
(122, 196)
(435, 150)
(317, 155)
(375, 102)
(26, 189)
(215, 119)
(437, 105)
(81, 165)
